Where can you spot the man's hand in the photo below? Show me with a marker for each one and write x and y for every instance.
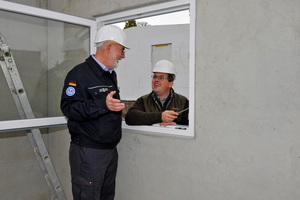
(114, 104)
(168, 117)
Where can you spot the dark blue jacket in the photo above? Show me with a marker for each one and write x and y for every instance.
(83, 102)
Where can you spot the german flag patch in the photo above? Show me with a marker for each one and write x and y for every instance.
(72, 83)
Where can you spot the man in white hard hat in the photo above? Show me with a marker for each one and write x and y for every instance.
(162, 105)
(91, 102)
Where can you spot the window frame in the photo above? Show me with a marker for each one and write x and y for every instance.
(148, 11)
(23, 124)
(162, 8)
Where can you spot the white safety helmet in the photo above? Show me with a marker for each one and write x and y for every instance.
(111, 33)
(164, 66)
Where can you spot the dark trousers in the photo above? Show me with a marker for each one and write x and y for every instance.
(93, 172)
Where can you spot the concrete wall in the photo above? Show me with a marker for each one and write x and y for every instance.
(247, 143)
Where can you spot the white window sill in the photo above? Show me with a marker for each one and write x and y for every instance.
(156, 129)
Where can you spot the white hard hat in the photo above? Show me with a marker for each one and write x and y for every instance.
(164, 66)
(111, 33)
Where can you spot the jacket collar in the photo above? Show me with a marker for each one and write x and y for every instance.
(94, 66)
(167, 102)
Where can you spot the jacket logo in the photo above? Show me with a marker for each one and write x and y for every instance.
(103, 90)
(70, 91)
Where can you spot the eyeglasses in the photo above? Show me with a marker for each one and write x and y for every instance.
(159, 77)
(123, 50)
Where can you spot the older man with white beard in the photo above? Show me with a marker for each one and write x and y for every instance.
(91, 102)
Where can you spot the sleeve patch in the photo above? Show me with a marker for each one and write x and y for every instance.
(70, 91)
(72, 83)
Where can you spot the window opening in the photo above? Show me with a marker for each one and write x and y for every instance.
(144, 38)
